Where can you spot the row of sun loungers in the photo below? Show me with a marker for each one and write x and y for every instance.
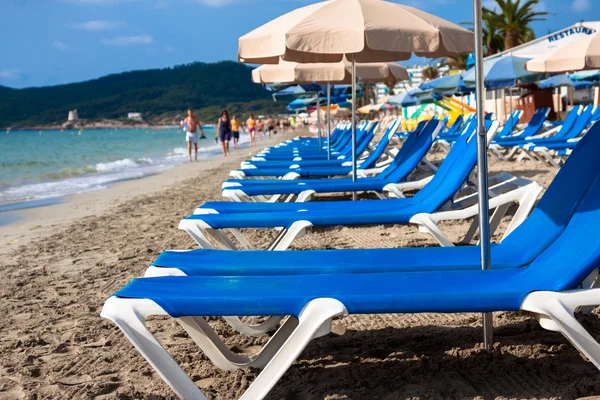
(546, 263)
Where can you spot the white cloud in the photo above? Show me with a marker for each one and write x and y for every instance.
(10, 74)
(169, 49)
(57, 44)
(581, 5)
(128, 40)
(98, 25)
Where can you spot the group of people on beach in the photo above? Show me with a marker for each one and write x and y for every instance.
(228, 129)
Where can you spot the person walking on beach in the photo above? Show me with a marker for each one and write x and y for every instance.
(224, 130)
(251, 126)
(270, 126)
(260, 126)
(190, 124)
(235, 131)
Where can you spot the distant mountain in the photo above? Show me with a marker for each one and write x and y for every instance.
(155, 93)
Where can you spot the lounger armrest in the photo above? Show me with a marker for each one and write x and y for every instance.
(397, 189)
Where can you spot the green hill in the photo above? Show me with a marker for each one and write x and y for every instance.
(155, 93)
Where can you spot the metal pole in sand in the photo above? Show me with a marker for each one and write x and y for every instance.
(482, 166)
(353, 124)
(328, 121)
(319, 120)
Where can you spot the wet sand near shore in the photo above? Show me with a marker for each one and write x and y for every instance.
(54, 345)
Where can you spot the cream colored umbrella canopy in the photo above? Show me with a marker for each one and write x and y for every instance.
(371, 30)
(580, 54)
(339, 72)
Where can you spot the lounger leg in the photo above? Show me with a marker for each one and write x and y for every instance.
(591, 282)
(305, 196)
(130, 315)
(314, 321)
(427, 225)
(220, 355)
(555, 312)
(241, 239)
(253, 330)
(287, 236)
(192, 228)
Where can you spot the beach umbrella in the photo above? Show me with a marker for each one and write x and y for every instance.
(564, 80)
(449, 84)
(590, 75)
(503, 72)
(328, 73)
(362, 30)
(580, 54)
(407, 99)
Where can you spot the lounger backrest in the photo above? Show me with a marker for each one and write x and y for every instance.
(510, 124)
(412, 152)
(455, 126)
(576, 253)
(381, 146)
(569, 121)
(453, 171)
(560, 201)
(536, 123)
(579, 125)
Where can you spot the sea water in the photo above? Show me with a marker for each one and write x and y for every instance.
(38, 166)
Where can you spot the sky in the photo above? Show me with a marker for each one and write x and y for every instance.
(50, 42)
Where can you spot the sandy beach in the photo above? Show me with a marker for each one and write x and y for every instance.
(61, 262)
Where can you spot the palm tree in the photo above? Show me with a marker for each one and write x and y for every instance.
(513, 18)
(458, 62)
(493, 40)
(429, 73)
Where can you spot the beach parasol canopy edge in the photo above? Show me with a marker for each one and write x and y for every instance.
(326, 31)
(578, 55)
(337, 73)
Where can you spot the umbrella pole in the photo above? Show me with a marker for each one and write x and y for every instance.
(482, 167)
(319, 120)
(462, 104)
(510, 101)
(353, 124)
(328, 121)
(558, 103)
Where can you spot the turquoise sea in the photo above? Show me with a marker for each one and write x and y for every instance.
(37, 167)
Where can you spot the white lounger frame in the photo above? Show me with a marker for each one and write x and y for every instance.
(554, 311)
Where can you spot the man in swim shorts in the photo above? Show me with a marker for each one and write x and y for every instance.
(191, 136)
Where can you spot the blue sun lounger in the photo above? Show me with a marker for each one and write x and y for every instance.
(295, 218)
(367, 162)
(545, 223)
(549, 287)
(408, 158)
(321, 168)
(320, 153)
(510, 143)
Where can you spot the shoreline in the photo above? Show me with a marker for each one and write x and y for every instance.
(27, 224)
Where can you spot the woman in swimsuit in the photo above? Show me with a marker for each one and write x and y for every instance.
(224, 129)
(251, 125)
